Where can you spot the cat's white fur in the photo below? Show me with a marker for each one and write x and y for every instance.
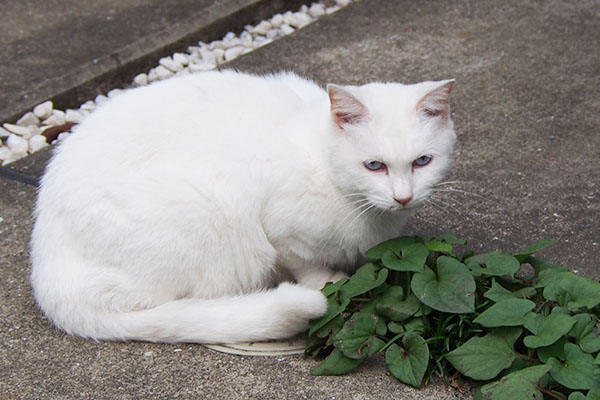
(173, 210)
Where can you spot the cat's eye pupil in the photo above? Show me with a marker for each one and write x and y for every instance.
(422, 161)
(374, 165)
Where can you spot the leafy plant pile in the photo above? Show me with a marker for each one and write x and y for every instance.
(525, 328)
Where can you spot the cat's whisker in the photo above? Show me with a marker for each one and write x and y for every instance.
(449, 204)
(354, 220)
(465, 192)
(361, 204)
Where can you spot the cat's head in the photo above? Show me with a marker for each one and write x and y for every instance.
(390, 144)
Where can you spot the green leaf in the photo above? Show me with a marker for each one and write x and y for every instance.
(415, 325)
(578, 370)
(556, 350)
(395, 245)
(451, 290)
(535, 247)
(336, 364)
(413, 258)
(408, 363)
(570, 290)
(586, 332)
(451, 239)
(593, 394)
(332, 288)
(483, 358)
(357, 339)
(334, 308)
(498, 293)
(540, 265)
(364, 279)
(576, 396)
(498, 264)
(510, 312)
(393, 307)
(441, 246)
(521, 384)
(548, 330)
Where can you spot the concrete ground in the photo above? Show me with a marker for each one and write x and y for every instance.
(527, 109)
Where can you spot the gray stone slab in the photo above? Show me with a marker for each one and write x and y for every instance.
(71, 51)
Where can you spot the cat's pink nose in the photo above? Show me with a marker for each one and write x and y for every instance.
(403, 201)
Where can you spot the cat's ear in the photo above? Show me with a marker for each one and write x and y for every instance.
(436, 103)
(345, 108)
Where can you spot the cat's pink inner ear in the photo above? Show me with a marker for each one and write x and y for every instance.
(436, 103)
(345, 108)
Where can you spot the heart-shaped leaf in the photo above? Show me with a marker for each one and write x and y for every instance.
(586, 332)
(412, 258)
(357, 339)
(483, 358)
(395, 245)
(578, 371)
(334, 308)
(521, 384)
(367, 277)
(498, 293)
(497, 264)
(336, 364)
(509, 312)
(393, 307)
(409, 362)
(570, 290)
(547, 330)
(533, 248)
(451, 290)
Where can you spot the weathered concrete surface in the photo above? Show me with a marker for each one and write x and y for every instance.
(71, 51)
(527, 110)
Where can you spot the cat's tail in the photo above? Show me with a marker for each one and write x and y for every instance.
(273, 314)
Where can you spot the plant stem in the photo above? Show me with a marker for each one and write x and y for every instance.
(388, 344)
(551, 393)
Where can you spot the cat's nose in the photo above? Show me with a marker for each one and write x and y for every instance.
(403, 201)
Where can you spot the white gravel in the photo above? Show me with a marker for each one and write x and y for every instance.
(25, 137)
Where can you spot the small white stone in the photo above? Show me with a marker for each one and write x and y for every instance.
(274, 34)
(262, 28)
(343, 3)
(304, 8)
(44, 110)
(247, 39)
(141, 79)
(233, 53)
(170, 64)
(201, 67)
(276, 20)
(287, 17)
(217, 44)
(152, 75)
(286, 29)
(37, 143)
(265, 42)
(73, 116)
(17, 129)
(232, 42)
(58, 117)
(114, 92)
(163, 72)
(299, 20)
(316, 10)
(181, 58)
(88, 106)
(331, 10)
(219, 55)
(4, 133)
(17, 145)
(100, 99)
(28, 119)
(5, 153)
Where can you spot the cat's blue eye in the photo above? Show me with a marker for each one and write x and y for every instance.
(422, 161)
(374, 165)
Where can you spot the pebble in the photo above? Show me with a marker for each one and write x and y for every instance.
(201, 67)
(17, 145)
(299, 20)
(37, 143)
(316, 10)
(141, 79)
(18, 129)
(277, 20)
(286, 29)
(181, 58)
(28, 119)
(58, 117)
(170, 64)
(262, 28)
(44, 110)
(100, 99)
(114, 92)
(4, 133)
(88, 106)
(74, 116)
(233, 53)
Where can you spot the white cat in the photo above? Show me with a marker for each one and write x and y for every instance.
(174, 210)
